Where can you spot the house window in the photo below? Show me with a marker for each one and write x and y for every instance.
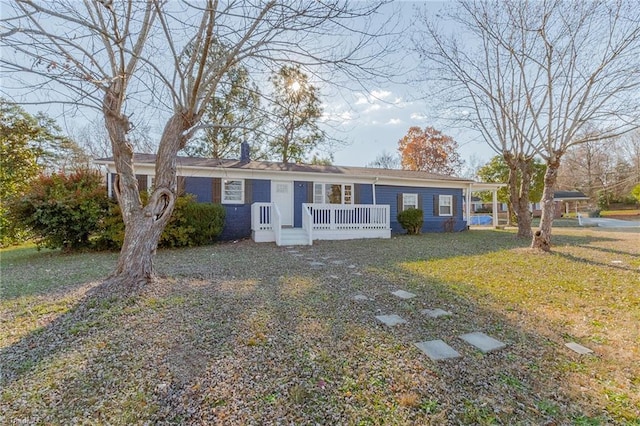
(409, 201)
(445, 205)
(332, 193)
(232, 191)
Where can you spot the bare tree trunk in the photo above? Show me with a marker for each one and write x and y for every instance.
(525, 167)
(143, 224)
(542, 237)
(519, 192)
(510, 214)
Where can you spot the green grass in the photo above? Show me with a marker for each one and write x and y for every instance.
(29, 271)
(247, 333)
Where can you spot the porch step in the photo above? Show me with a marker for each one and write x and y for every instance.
(294, 237)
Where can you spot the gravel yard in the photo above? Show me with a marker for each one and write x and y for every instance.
(245, 333)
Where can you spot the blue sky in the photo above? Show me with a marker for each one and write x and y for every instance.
(368, 122)
(373, 122)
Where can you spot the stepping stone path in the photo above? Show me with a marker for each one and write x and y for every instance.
(435, 313)
(437, 350)
(578, 348)
(403, 294)
(483, 342)
(390, 320)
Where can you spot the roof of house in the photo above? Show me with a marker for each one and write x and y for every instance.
(271, 166)
(569, 195)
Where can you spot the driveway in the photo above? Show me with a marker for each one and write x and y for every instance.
(607, 223)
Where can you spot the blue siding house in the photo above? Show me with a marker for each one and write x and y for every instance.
(300, 203)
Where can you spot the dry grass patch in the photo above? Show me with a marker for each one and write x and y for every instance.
(249, 334)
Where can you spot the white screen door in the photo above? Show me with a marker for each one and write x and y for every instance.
(282, 196)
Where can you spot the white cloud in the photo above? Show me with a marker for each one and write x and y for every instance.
(380, 94)
(418, 117)
(362, 100)
(394, 121)
(372, 108)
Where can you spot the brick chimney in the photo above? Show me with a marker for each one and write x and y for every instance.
(245, 152)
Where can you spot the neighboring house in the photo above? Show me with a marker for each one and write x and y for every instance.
(564, 202)
(299, 203)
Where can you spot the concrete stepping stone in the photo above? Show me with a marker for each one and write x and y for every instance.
(578, 348)
(403, 294)
(437, 350)
(390, 320)
(337, 262)
(483, 342)
(435, 313)
(316, 263)
(351, 266)
(360, 298)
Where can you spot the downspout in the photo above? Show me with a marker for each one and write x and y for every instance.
(373, 185)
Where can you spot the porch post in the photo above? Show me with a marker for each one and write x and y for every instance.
(495, 207)
(467, 205)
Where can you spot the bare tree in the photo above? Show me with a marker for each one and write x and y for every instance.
(586, 167)
(534, 74)
(126, 56)
(385, 160)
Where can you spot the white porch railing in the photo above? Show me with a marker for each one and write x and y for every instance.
(323, 222)
(307, 224)
(348, 216)
(262, 222)
(261, 217)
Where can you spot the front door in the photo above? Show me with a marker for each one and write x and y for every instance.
(282, 196)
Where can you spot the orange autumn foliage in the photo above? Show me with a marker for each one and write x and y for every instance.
(429, 150)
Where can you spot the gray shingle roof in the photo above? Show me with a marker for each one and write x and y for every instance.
(569, 195)
(303, 168)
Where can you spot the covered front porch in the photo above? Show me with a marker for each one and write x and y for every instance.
(321, 222)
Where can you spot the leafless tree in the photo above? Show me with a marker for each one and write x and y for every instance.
(385, 160)
(126, 56)
(532, 75)
(586, 167)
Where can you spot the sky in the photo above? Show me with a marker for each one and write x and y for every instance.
(373, 122)
(369, 122)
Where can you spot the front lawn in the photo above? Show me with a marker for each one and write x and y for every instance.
(245, 333)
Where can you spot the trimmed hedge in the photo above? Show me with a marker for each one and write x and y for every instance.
(411, 220)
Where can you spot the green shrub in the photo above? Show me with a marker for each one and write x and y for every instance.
(191, 224)
(63, 210)
(411, 220)
(594, 213)
(110, 235)
(207, 221)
